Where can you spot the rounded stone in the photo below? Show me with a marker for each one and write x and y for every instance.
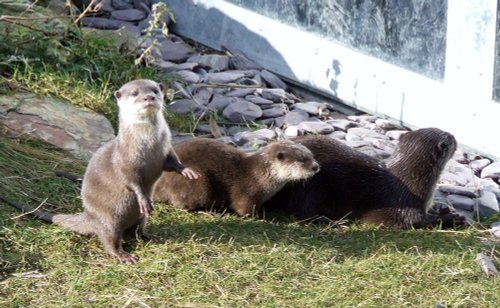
(129, 15)
(242, 111)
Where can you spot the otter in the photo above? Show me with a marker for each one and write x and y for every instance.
(354, 186)
(119, 178)
(232, 179)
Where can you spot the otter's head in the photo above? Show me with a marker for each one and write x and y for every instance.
(432, 142)
(139, 100)
(290, 161)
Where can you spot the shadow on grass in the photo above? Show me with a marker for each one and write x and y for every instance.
(347, 241)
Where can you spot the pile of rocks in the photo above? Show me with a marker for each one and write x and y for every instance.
(227, 86)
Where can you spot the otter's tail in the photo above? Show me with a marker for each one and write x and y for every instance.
(69, 176)
(77, 223)
(44, 216)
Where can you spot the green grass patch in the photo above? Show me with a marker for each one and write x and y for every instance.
(222, 260)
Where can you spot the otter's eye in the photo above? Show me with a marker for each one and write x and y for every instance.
(135, 93)
(281, 156)
(155, 91)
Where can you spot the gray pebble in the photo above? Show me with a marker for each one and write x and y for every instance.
(374, 152)
(342, 124)
(469, 176)
(495, 229)
(491, 171)
(171, 66)
(460, 157)
(459, 190)
(456, 167)
(452, 179)
(185, 106)
(175, 51)
(101, 23)
(486, 264)
(490, 185)
(272, 81)
(275, 95)
(242, 111)
(180, 89)
(233, 130)
(338, 134)
(240, 93)
(315, 127)
(129, 15)
(252, 146)
(382, 144)
(203, 95)
(224, 77)
(360, 133)
(121, 4)
(439, 196)
(362, 118)
(265, 134)
(258, 100)
(206, 129)
(146, 7)
(488, 203)
(187, 76)
(292, 118)
(107, 6)
(238, 60)
(292, 131)
(219, 102)
(461, 202)
(395, 134)
(273, 112)
(386, 124)
(215, 63)
(358, 143)
(313, 108)
(480, 164)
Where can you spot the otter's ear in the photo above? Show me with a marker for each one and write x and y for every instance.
(161, 86)
(118, 94)
(280, 156)
(443, 146)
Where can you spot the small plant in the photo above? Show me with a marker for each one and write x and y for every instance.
(50, 55)
(160, 11)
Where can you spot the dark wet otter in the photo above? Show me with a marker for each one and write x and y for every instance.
(394, 193)
(118, 181)
(231, 178)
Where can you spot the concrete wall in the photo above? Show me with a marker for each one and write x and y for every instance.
(460, 102)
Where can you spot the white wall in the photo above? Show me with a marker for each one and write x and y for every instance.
(461, 103)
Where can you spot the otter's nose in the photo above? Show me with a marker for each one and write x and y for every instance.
(149, 98)
(315, 167)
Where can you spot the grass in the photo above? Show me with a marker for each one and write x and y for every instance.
(208, 260)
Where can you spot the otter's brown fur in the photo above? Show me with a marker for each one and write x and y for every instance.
(118, 181)
(231, 178)
(352, 185)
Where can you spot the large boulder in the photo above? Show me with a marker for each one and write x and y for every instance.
(78, 131)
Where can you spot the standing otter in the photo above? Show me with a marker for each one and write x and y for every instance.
(231, 178)
(118, 181)
(352, 185)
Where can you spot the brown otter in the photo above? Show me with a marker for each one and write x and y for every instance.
(393, 193)
(231, 178)
(118, 181)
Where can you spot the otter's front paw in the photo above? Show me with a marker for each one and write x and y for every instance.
(190, 174)
(146, 207)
